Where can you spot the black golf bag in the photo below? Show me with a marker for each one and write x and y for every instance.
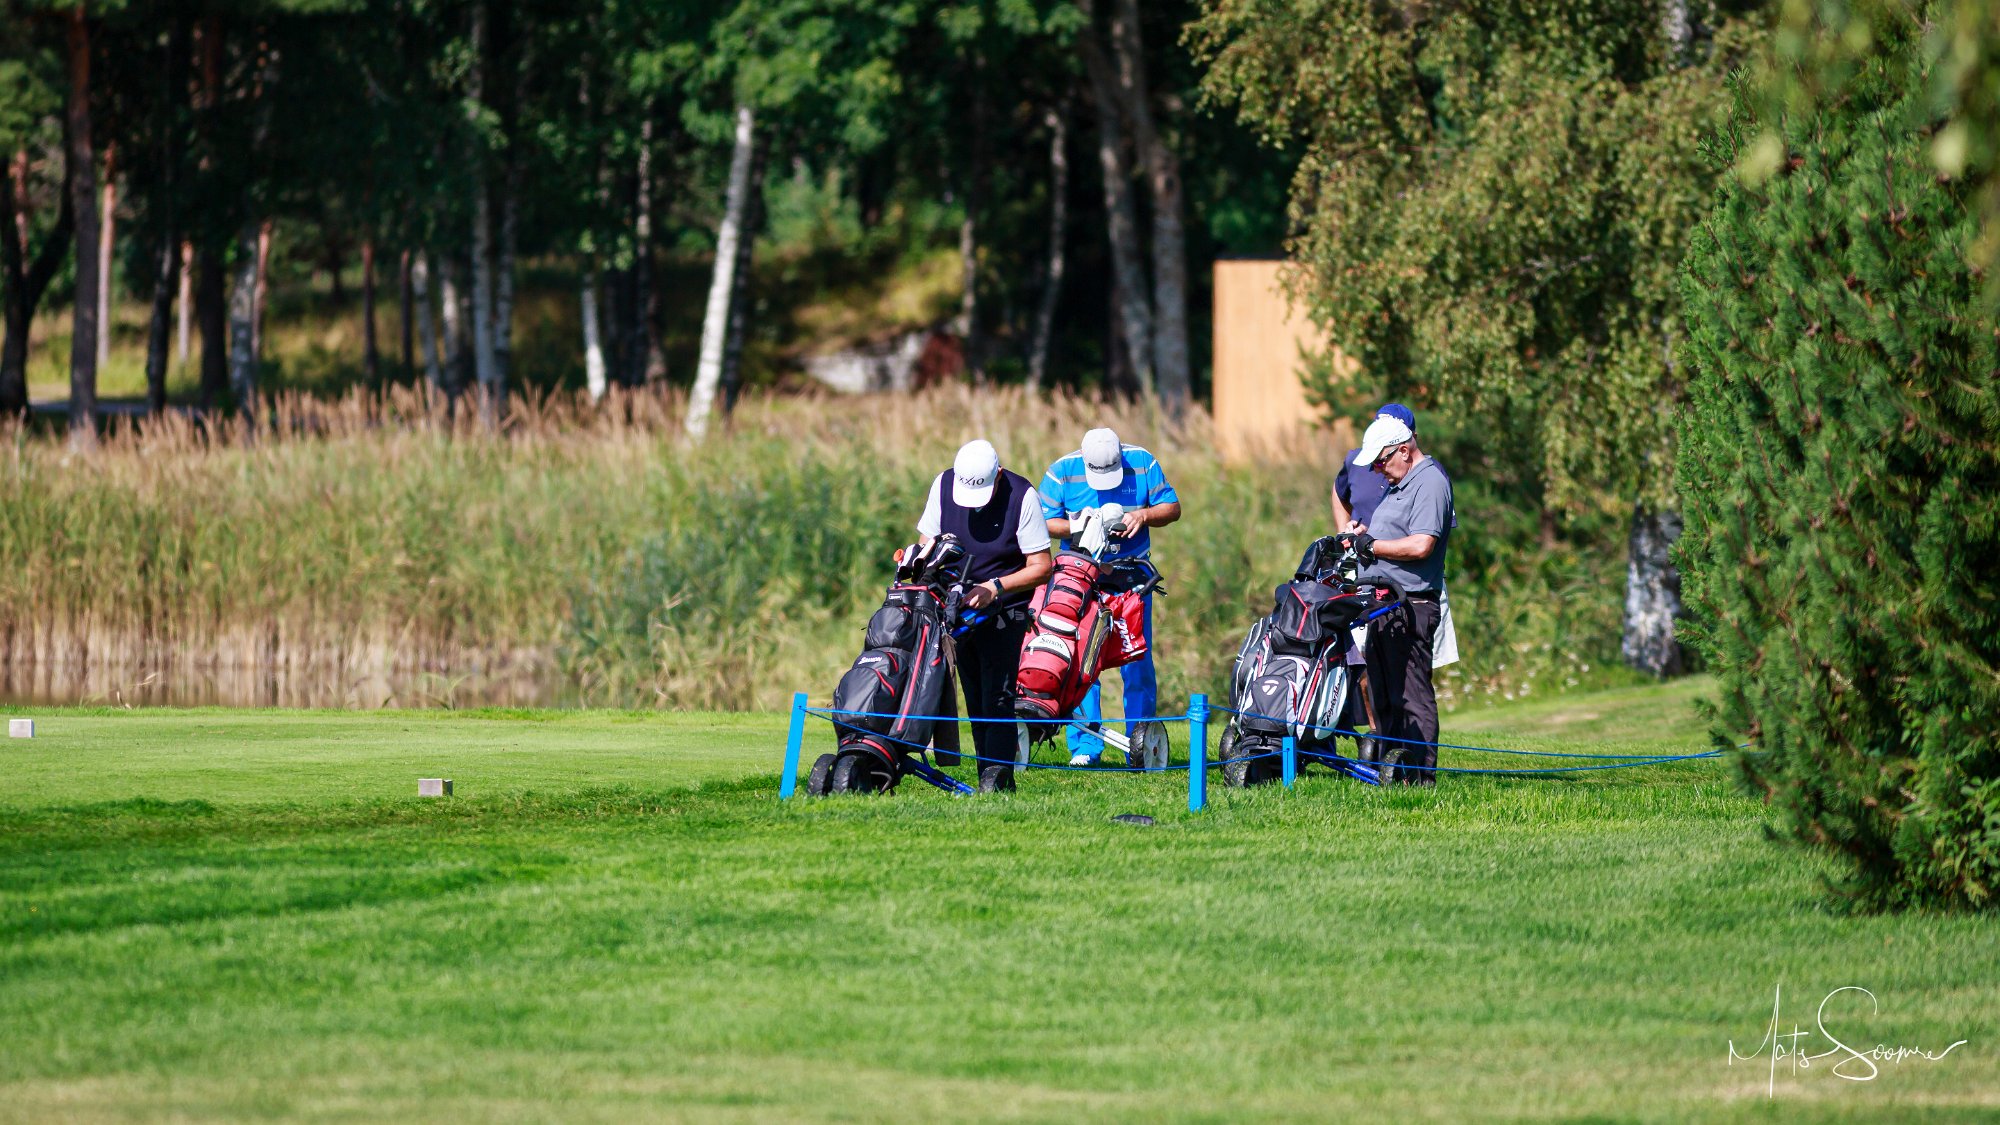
(901, 680)
(1292, 676)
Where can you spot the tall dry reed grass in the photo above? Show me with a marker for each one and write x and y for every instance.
(363, 540)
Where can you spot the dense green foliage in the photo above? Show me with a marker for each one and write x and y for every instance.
(1820, 47)
(1492, 202)
(1840, 475)
(584, 935)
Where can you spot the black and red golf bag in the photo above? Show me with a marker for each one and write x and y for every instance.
(886, 704)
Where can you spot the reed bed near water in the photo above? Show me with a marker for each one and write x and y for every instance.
(364, 540)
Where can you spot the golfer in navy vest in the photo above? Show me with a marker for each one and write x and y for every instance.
(1105, 471)
(1358, 488)
(997, 518)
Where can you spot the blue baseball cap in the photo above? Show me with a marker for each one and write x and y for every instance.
(1400, 413)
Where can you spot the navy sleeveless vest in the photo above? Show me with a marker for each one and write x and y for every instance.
(990, 534)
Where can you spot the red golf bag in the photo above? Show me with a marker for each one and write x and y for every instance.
(1076, 630)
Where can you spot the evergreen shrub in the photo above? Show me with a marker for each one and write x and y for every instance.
(1839, 468)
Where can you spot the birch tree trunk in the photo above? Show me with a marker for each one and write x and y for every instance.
(503, 283)
(83, 199)
(1045, 314)
(1134, 315)
(739, 291)
(210, 316)
(593, 341)
(1652, 594)
(645, 359)
(107, 234)
(263, 289)
(1652, 585)
(243, 323)
(715, 323)
(371, 358)
(420, 289)
(451, 310)
(485, 370)
(1677, 30)
(1163, 173)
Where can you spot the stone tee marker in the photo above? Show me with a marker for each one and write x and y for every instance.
(20, 728)
(433, 787)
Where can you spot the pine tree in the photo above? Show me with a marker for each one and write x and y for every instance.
(1839, 471)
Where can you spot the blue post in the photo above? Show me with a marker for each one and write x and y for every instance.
(790, 780)
(1291, 760)
(1197, 752)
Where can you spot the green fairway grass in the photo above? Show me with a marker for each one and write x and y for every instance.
(249, 915)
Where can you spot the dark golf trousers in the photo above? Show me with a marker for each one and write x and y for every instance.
(988, 657)
(1399, 676)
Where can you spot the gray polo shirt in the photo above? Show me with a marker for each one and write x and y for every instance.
(1419, 505)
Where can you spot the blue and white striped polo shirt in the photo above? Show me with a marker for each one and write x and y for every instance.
(1065, 494)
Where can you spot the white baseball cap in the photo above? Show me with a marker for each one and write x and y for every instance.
(973, 474)
(1383, 432)
(1103, 459)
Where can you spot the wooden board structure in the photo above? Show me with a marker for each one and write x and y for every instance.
(1261, 345)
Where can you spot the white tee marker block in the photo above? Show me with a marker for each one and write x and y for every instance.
(433, 787)
(20, 728)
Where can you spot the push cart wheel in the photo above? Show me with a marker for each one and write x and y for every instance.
(854, 773)
(1245, 771)
(821, 777)
(1235, 772)
(996, 779)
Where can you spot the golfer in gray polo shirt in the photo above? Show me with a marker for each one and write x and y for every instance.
(1405, 542)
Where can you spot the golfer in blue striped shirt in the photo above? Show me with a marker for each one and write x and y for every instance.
(1106, 471)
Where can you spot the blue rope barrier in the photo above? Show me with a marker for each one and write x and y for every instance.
(1351, 767)
(1441, 745)
(1551, 769)
(1324, 756)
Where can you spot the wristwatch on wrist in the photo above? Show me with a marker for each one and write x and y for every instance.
(997, 589)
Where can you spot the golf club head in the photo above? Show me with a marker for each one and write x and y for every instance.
(946, 553)
(912, 564)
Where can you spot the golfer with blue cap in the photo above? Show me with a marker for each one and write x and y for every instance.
(1104, 471)
(1357, 489)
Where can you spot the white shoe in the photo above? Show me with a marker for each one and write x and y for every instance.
(1082, 760)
